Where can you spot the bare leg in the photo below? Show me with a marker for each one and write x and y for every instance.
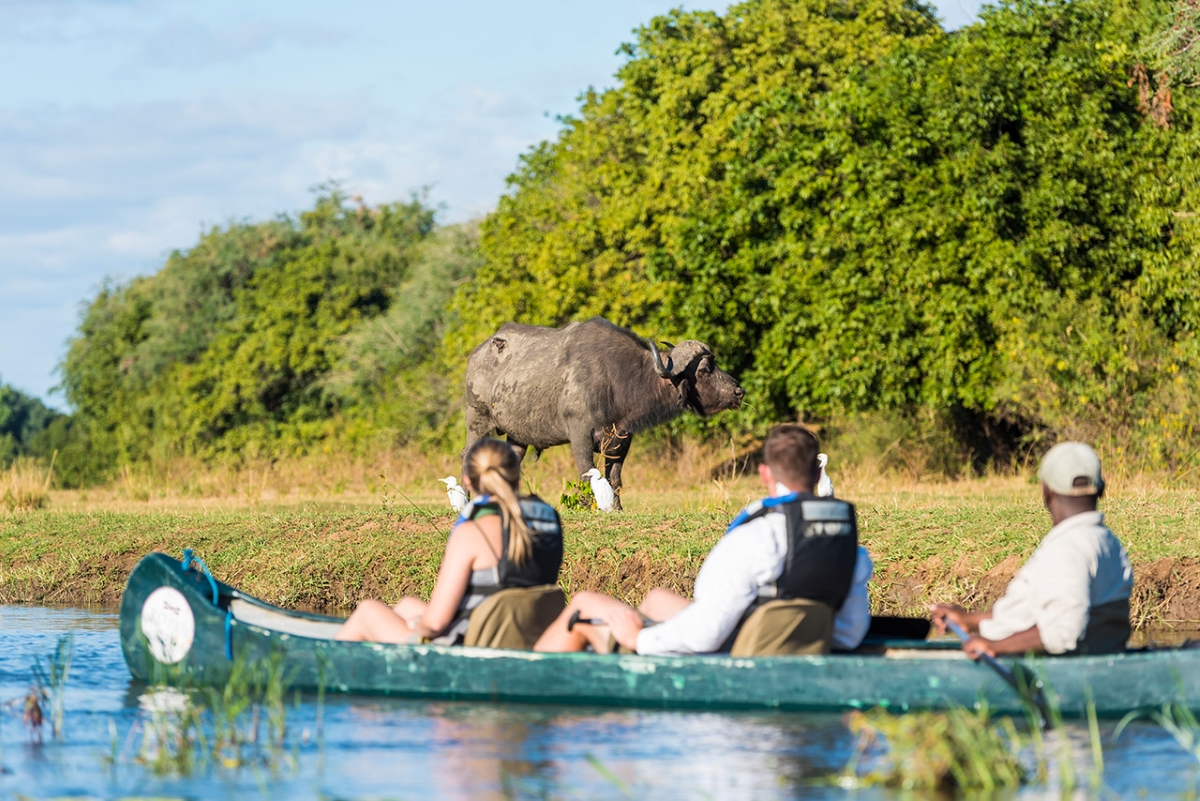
(588, 605)
(662, 604)
(410, 609)
(374, 621)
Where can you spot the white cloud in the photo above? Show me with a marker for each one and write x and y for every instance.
(89, 193)
(59, 21)
(187, 43)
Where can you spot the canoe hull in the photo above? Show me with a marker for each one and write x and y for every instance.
(920, 678)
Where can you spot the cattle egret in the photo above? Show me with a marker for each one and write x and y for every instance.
(454, 493)
(601, 489)
(824, 485)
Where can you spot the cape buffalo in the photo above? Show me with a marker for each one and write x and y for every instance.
(592, 384)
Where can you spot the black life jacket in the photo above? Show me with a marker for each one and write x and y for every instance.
(545, 557)
(822, 548)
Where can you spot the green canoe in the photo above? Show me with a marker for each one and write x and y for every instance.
(169, 617)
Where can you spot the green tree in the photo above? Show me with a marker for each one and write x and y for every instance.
(864, 214)
(22, 419)
(610, 218)
(229, 344)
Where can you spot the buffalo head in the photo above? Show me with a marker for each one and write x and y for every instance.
(706, 389)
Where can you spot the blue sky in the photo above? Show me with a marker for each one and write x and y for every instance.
(127, 126)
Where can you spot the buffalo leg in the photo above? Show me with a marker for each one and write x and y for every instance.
(479, 425)
(582, 446)
(614, 459)
(519, 448)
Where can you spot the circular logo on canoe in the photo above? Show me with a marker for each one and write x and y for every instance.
(168, 625)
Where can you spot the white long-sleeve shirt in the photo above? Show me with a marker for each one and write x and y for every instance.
(1078, 565)
(749, 557)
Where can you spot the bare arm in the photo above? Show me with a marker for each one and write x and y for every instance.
(1022, 642)
(940, 613)
(453, 577)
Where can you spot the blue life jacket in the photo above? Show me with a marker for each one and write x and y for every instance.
(822, 547)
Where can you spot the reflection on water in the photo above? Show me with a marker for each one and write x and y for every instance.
(392, 748)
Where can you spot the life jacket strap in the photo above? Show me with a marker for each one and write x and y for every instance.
(760, 508)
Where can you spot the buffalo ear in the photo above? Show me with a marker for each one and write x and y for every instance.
(684, 388)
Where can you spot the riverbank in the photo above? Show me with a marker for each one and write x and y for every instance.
(957, 540)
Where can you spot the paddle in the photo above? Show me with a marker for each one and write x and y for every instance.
(589, 621)
(882, 627)
(1026, 684)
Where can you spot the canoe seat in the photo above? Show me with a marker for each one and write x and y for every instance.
(280, 620)
(786, 628)
(515, 618)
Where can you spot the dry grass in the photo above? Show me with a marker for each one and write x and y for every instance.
(27, 486)
(679, 482)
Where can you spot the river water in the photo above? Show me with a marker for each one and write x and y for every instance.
(386, 748)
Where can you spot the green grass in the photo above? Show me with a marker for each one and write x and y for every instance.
(959, 540)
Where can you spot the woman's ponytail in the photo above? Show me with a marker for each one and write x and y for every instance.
(494, 470)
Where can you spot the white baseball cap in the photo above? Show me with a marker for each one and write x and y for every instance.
(1065, 464)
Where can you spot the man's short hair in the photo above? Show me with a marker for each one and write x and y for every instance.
(791, 452)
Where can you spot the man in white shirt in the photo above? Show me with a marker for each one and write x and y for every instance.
(1072, 596)
(744, 566)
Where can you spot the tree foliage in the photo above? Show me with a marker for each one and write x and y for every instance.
(228, 347)
(862, 213)
(23, 422)
(991, 233)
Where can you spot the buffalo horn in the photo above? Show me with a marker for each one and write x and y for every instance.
(662, 370)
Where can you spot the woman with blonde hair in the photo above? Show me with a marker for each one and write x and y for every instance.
(501, 540)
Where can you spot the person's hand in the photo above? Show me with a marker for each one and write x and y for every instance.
(624, 625)
(940, 613)
(977, 646)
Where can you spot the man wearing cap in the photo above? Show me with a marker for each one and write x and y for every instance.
(1072, 596)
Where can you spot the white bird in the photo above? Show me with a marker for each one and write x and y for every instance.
(454, 493)
(824, 485)
(601, 489)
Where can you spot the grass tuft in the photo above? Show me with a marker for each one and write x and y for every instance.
(1176, 719)
(183, 729)
(49, 685)
(960, 749)
(26, 487)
